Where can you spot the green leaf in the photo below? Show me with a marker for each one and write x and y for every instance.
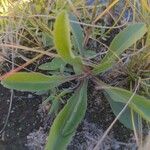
(120, 43)
(89, 53)
(62, 41)
(139, 104)
(78, 35)
(31, 81)
(55, 64)
(68, 119)
(125, 118)
(54, 107)
(47, 40)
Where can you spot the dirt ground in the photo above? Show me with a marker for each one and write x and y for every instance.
(24, 118)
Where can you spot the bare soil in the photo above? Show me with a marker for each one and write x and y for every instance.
(24, 118)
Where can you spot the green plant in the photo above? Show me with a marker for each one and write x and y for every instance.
(67, 120)
(139, 62)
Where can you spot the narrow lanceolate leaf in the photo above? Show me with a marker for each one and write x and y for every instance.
(126, 117)
(68, 119)
(121, 42)
(55, 64)
(62, 39)
(78, 35)
(31, 81)
(139, 104)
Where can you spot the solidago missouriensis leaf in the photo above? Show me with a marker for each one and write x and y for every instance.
(25, 81)
(68, 119)
(78, 35)
(126, 38)
(62, 41)
(62, 37)
(139, 104)
(54, 64)
(126, 117)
